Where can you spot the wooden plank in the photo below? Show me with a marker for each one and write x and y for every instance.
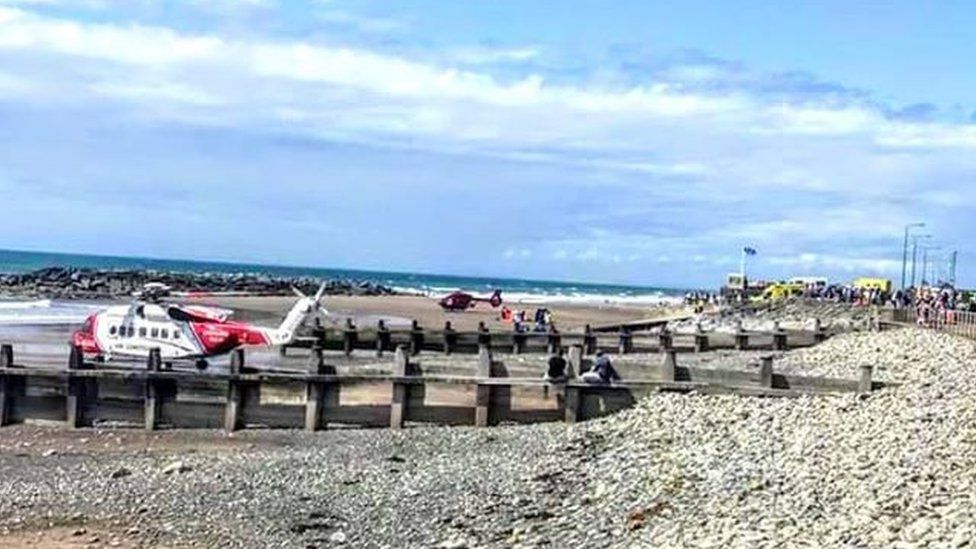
(232, 407)
(4, 401)
(399, 400)
(75, 390)
(571, 404)
(150, 415)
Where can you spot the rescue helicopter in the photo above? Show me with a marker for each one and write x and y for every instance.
(181, 331)
(461, 301)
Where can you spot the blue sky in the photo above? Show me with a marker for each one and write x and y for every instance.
(630, 142)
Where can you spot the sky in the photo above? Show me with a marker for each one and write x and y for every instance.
(623, 142)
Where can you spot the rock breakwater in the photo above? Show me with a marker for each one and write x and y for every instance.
(75, 283)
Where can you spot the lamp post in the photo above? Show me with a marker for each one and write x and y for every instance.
(925, 262)
(904, 252)
(915, 239)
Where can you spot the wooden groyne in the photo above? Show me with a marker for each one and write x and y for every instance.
(154, 397)
(417, 338)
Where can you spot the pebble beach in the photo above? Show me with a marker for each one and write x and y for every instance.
(890, 468)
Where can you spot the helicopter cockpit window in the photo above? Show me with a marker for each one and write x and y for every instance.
(141, 311)
(180, 315)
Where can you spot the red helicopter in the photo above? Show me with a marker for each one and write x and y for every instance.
(462, 301)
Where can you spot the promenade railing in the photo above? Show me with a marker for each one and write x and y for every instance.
(944, 320)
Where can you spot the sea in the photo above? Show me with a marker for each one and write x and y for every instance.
(526, 291)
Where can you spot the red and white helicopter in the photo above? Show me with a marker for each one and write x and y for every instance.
(181, 331)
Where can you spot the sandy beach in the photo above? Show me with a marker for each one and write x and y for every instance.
(400, 310)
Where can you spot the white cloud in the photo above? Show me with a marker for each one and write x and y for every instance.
(478, 55)
(815, 263)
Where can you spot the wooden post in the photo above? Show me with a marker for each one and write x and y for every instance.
(6, 361)
(416, 338)
(315, 392)
(319, 333)
(766, 372)
(626, 343)
(398, 405)
(151, 405)
(75, 389)
(779, 337)
(819, 334)
(701, 339)
(669, 366)
(450, 338)
(574, 365)
(553, 340)
(518, 342)
(571, 403)
(234, 393)
(6, 356)
(349, 337)
(865, 384)
(665, 340)
(382, 338)
(482, 410)
(4, 400)
(589, 340)
(741, 337)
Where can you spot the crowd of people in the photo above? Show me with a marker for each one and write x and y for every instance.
(847, 294)
(540, 321)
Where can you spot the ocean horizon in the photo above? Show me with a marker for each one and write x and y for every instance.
(513, 289)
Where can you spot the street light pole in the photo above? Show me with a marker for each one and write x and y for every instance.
(904, 252)
(925, 262)
(915, 239)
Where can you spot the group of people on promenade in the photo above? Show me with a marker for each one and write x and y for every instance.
(933, 306)
(602, 371)
(847, 294)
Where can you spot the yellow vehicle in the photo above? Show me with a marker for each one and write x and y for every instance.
(866, 283)
(782, 290)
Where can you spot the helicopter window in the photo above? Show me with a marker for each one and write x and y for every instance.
(154, 332)
(180, 315)
(131, 331)
(142, 331)
(141, 311)
(164, 333)
(111, 331)
(176, 334)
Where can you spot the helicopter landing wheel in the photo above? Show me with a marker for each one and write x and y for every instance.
(201, 364)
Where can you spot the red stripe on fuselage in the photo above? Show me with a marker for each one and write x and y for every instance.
(222, 337)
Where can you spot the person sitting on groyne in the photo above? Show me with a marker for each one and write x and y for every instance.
(557, 367)
(602, 371)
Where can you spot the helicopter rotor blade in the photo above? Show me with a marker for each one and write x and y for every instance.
(319, 294)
